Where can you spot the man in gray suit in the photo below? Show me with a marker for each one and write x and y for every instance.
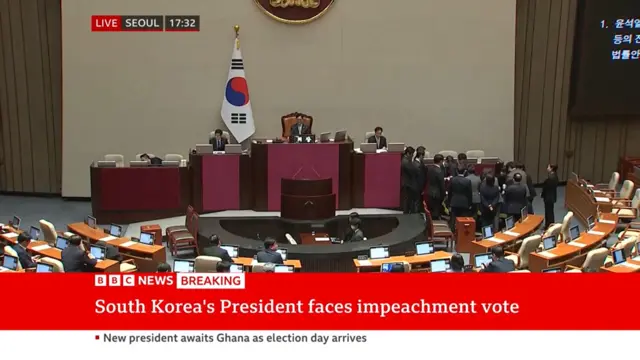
(475, 191)
(513, 169)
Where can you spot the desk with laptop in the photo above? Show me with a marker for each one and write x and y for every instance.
(623, 264)
(420, 259)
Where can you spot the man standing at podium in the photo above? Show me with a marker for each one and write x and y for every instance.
(299, 128)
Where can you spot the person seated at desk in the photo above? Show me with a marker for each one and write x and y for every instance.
(499, 263)
(223, 267)
(299, 128)
(515, 197)
(164, 268)
(75, 259)
(356, 233)
(111, 252)
(349, 231)
(456, 264)
(215, 249)
(269, 254)
(153, 160)
(218, 141)
(378, 139)
(26, 261)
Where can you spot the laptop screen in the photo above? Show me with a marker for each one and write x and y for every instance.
(283, 269)
(487, 232)
(424, 248)
(236, 268)
(509, 223)
(98, 252)
(183, 266)
(282, 252)
(115, 230)
(552, 270)
(438, 266)
(381, 252)
(61, 243)
(233, 251)
(618, 256)
(10, 262)
(481, 259)
(549, 243)
(91, 221)
(591, 222)
(146, 238)
(574, 232)
(16, 222)
(44, 268)
(389, 267)
(34, 232)
(523, 213)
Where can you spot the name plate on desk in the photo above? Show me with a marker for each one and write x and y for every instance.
(602, 199)
(511, 233)
(577, 244)
(593, 232)
(547, 254)
(495, 240)
(630, 265)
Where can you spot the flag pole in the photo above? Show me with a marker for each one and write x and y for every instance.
(236, 28)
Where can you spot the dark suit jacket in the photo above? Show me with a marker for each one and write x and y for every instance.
(524, 181)
(269, 256)
(218, 252)
(489, 196)
(550, 188)
(24, 257)
(460, 192)
(354, 236)
(76, 260)
(305, 130)
(501, 265)
(381, 145)
(475, 187)
(435, 179)
(217, 147)
(410, 174)
(515, 198)
(422, 173)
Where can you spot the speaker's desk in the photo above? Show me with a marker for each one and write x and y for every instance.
(575, 252)
(376, 264)
(579, 200)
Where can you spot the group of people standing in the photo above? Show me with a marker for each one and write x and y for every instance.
(467, 194)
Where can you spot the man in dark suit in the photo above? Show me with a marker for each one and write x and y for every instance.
(515, 197)
(269, 254)
(349, 232)
(299, 128)
(356, 233)
(153, 160)
(378, 139)
(461, 195)
(498, 264)
(75, 259)
(223, 267)
(435, 188)
(26, 261)
(410, 187)
(475, 191)
(550, 195)
(215, 250)
(218, 141)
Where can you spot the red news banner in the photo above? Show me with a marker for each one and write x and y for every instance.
(322, 301)
(145, 23)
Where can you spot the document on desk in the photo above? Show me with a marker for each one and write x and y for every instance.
(495, 240)
(590, 186)
(41, 247)
(364, 262)
(593, 232)
(602, 199)
(511, 233)
(607, 221)
(547, 254)
(108, 238)
(10, 235)
(577, 244)
(630, 265)
(128, 243)
(323, 239)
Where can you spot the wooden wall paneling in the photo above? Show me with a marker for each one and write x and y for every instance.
(522, 7)
(6, 182)
(614, 148)
(54, 65)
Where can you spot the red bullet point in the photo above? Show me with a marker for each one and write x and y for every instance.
(97, 337)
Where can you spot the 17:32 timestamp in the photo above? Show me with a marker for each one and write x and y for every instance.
(182, 23)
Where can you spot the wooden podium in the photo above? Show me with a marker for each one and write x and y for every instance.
(307, 199)
(465, 234)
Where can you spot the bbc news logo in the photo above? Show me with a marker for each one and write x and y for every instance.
(115, 280)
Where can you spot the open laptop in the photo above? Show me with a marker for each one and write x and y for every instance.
(367, 148)
(618, 256)
(379, 252)
(146, 238)
(282, 252)
(98, 252)
(184, 266)
(523, 214)
(487, 232)
(91, 221)
(233, 149)
(202, 149)
(425, 248)
(10, 262)
(341, 135)
(325, 137)
(509, 223)
(389, 267)
(44, 268)
(302, 139)
(574, 233)
(552, 270)
(482, 259)
(15, 222)
(591, 222)
(440, 266)
(115, 230)
(233, 251)
(395, 147)
(283, 269)
(236, 268)
(61, 243)
(34, 232)
(549, 243)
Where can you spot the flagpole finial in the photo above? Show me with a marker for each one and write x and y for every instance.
(236, 28)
